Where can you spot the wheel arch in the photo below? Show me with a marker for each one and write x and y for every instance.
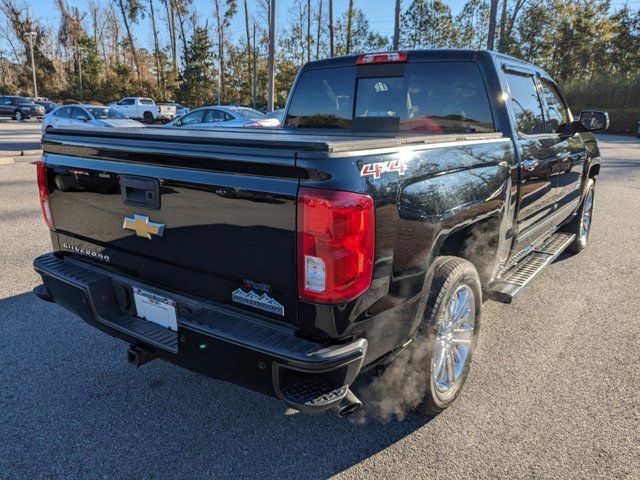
(477, 242)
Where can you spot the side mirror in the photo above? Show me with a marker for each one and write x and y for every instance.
(83, 118)
(594, 120)
(178, 123)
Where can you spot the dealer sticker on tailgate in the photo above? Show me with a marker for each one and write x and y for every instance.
(156, 309)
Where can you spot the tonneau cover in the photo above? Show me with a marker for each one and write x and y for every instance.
(303, 140)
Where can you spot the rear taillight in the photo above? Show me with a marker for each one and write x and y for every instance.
(336, 232)
(386, 57)
(253, 124)
(44, 193)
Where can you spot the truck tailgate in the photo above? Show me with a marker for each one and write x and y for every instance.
(218, 224)
(167, 110)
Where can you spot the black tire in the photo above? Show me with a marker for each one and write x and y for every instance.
(576, 224)
(18, 115)
(451, 275)
(148, 118)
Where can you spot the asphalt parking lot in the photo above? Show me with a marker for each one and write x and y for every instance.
(554, 391)
(18, 136)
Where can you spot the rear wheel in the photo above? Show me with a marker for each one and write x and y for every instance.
(449, 331)
(18, 115)
(581, 223)
(148, 118)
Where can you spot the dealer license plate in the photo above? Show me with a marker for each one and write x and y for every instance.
(156, 309)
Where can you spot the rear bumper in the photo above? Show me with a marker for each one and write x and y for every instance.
(219, 342)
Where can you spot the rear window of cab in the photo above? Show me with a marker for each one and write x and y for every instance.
(428, 98)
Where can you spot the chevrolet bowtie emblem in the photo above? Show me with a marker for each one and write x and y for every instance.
(143, 227)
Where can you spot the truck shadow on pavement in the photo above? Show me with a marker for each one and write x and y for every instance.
(73, 406)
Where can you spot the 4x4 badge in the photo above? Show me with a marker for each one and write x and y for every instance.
(143, 226)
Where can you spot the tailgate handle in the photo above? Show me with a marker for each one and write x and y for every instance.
(140, 192)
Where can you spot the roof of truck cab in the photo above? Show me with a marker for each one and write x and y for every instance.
(431, 55)
(272, 138)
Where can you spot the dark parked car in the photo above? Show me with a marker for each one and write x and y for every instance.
(19, 108)
(47, 104)
(404, 189)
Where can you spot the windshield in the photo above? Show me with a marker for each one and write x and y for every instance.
(250, 113)
(103, 113)
(424, 98)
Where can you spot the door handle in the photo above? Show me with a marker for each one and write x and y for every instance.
(530, 164)
(140, 192)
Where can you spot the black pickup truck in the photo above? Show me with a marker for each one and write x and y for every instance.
(403, 190)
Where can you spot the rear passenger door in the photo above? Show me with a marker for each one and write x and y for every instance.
(568, 147)
(537, 163)
(61, 117)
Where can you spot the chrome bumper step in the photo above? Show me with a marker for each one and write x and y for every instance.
(516, 278)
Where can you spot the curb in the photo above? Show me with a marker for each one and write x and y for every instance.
(19, 153)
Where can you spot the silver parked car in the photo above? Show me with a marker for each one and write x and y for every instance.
(278, 114)
(83, 116)
(219, 116)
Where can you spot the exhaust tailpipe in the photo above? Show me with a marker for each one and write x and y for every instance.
(139, 355)
(349, 404)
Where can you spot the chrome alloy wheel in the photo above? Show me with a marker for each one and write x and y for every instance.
(454, 339)
(587, 210)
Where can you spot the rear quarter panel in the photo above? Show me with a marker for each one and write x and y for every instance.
(428, 193)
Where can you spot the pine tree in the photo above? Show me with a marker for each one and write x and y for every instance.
(198, 77)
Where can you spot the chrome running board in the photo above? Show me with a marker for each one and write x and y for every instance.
(517, 277)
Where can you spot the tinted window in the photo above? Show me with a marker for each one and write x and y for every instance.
(146, 101)
(556, 110)
(323, 99)
(18, 100)
(126, 101)
(250, 113)
(192, 118)
(429, 98)
(62, 112)
(526, 104)
(213, 115)
(102, 113)
(78, 113)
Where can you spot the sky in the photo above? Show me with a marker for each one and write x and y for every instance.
(379, 13)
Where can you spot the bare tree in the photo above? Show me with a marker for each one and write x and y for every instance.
(180, 7)
(492, 24)
(156, 45)
(319, 31)
(396, 25)
(113, 24)
(349, 26)
(223, 20)
(272, 51)
(331, 30)
(308, 30)
(247, 33)
(171, 23)
(130, 14)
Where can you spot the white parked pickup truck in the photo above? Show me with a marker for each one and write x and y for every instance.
(142, 108)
